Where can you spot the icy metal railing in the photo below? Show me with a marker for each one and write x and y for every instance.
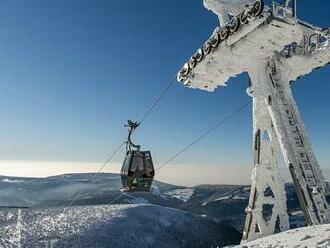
(317, 40)
(310, 44)
(283, 10)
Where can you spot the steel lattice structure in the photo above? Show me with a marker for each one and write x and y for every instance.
(275, 48)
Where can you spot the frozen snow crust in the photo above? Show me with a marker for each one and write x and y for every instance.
(308, 237)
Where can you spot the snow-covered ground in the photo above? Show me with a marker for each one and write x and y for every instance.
(7, 180)
(222, 198)
(308, 237)
(240, 193)
(181, 194)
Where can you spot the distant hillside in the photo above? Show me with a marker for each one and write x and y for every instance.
(222, 203)
(112, 226)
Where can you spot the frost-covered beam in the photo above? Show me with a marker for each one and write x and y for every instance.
(250, 37)
(267, 211)
(226, 8)
(231, 50)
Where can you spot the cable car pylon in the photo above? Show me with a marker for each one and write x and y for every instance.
(275, 48)
(137, 172)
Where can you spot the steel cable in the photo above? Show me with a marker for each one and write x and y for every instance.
(92, 179)
(206, 133)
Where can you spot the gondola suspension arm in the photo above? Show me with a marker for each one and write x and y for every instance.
(132, 126)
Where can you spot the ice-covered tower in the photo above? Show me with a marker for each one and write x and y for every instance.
(275, 48)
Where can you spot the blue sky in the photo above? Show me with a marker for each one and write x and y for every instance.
(72, 72)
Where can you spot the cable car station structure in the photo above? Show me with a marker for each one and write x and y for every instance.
(275, 48)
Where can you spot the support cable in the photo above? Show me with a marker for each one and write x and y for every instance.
(156, 102)
(94, 176)
(206, 133)
(116, 199)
